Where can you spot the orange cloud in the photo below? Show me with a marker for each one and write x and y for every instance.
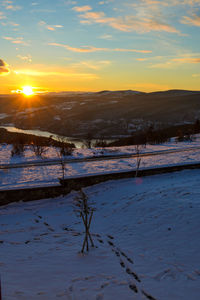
(128, 23)
(49, 27)
(141, 59)
(170, 2)
(82, 8)
(18, 40)
(194, 20)
(10, 24)
(187, 60)
(174, 62)
(89, 49)
(36, 73)
(8, 4)
(155, 2)
(191, 2)
(83, 49)
(94, 65)
(131, 50)
(13, 7)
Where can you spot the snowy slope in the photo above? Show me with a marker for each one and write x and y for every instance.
(52, 153)
(147, 234)
(48, 175)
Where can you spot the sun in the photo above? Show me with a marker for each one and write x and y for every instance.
(27, 91)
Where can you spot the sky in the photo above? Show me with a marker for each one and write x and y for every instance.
(88, 45)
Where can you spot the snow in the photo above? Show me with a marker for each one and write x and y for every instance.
(30, 110)
(146, 232)
(51, 153)
(3, 116)
(57, 118)
(34, 176)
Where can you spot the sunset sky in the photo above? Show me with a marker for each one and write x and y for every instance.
(62, 45)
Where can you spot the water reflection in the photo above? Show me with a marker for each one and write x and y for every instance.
(79, 143)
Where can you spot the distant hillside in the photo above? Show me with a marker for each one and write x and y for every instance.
(100, 114)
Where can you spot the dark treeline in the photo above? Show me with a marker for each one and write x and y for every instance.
(149, 136)
(29, 139)
(159, 136)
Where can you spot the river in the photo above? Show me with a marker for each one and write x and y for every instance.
(79, 143)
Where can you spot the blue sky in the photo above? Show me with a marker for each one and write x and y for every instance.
(94, 45)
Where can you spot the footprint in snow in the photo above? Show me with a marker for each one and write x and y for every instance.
(110, 237)
(122, 264)
(100, 241)
(148, 296)
(130, 272)
(110, 243)
(133, 287)
(104, 285)
(99, 297)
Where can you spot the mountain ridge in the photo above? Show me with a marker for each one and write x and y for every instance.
(105, 113)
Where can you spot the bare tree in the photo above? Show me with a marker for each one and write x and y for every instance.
(86, 214)
(88, 140)
(64, 149)
(138, 149)
(62, 163)
(101, 142)
(18, 147)
(39, 150)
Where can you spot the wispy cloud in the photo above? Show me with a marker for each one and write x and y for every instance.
(27, 57)
(189, 2)
(9, 5)
(10, 24)
(131, 50)
(106, 37)
(141, 59)
(105, 2)
(18, 40)
(167, 2)
(4, 68)
(70, 2)
(140, 24)
(13, 7)
(174, 62)
(36, 73)
(187, 60)
(193, 20)
(94, 65)
(2, 16)
(89, 49)
(49, 27)
(82, 8)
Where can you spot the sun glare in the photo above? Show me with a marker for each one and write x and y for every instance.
(27, 91)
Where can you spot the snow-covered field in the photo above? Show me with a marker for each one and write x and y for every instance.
(146, 232)
(51, 153)
(48, 175)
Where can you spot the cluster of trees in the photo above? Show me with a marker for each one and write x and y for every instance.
(39, 146)
(158, 136)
